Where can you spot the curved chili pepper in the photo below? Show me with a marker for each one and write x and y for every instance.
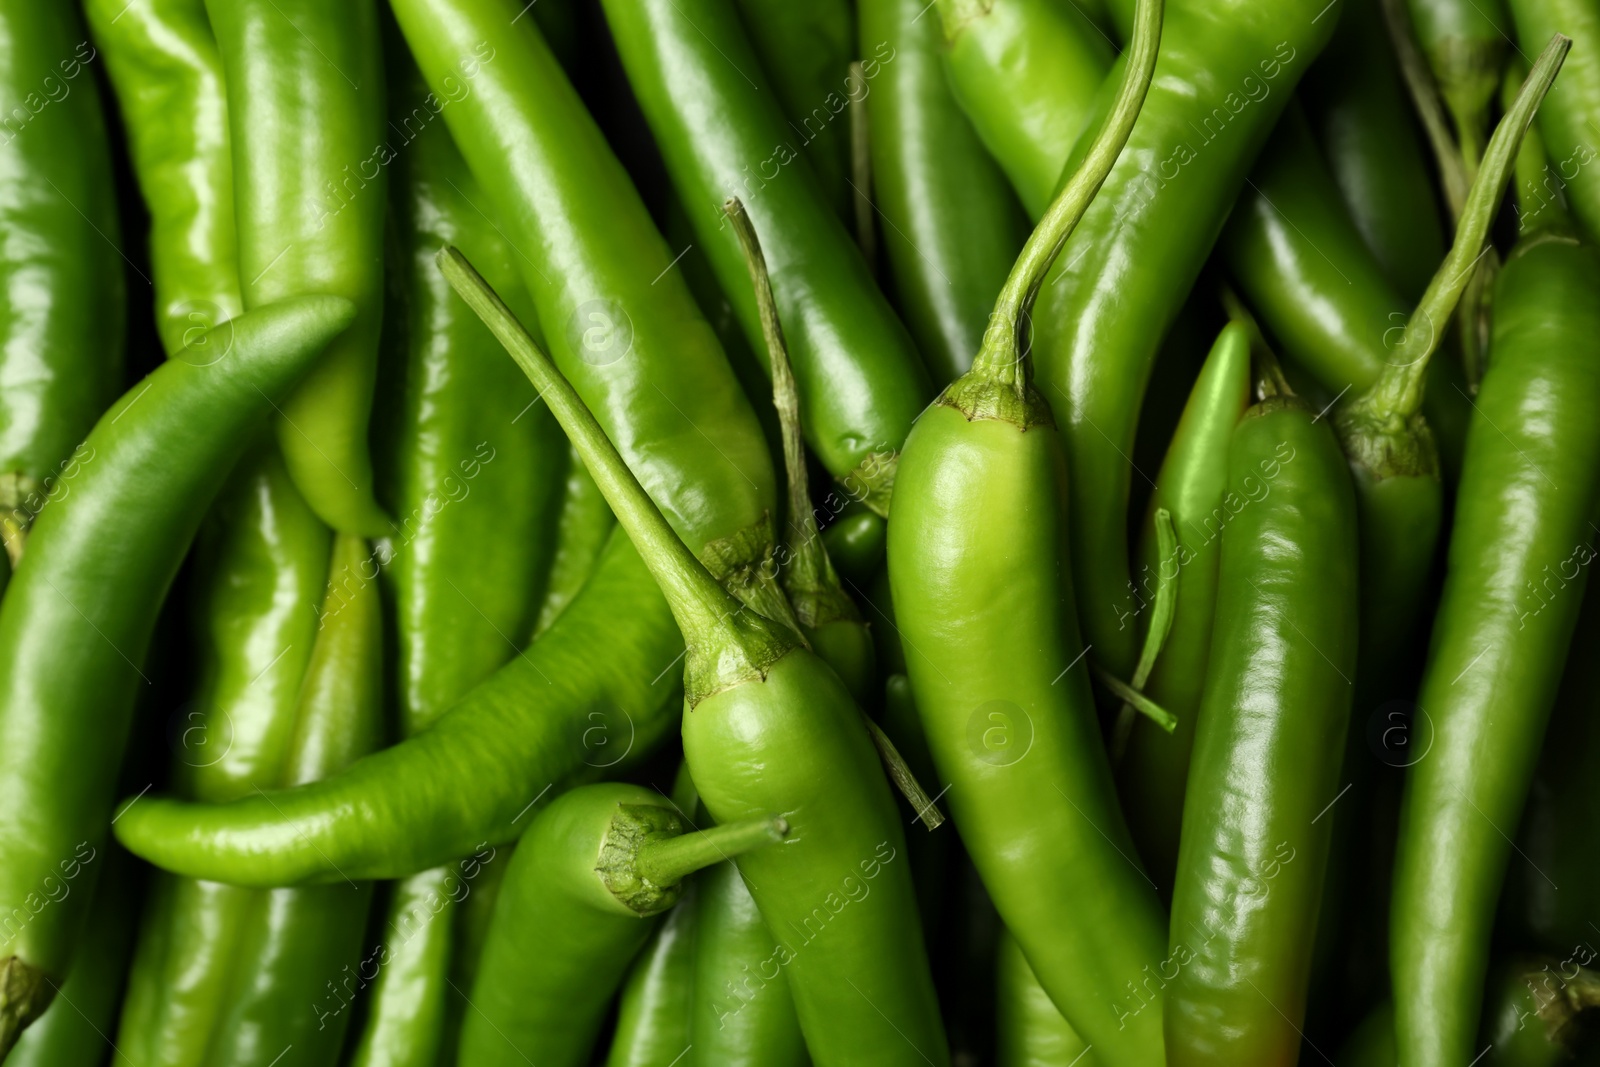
(1499, 636)
(769, 727)
(1027, 73)
(806, 51)
(1191, 488)
(1362, 119)
(167, 73)
(1466, 43)
(1224, 75)
(622, 326)
(73, 1030)
(592, 868)
(952, 226)
(61, 319)
(305, 113)
(995, 657)
(1567, 118)
(861, 381)
(654, 1012)
(1267, 746)
(264, 570)
(76, 619)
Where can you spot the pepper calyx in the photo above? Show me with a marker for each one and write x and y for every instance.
(633, 827)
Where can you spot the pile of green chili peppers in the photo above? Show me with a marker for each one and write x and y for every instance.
(767, 533)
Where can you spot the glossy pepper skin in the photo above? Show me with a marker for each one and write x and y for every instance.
(577, 904)
(527, 726)
(74, 1030)
(1301, 263)
(479, 466)
(1362, 119)
(61, 320)
(768, 727)
(1026, 72)
(952, 226)
(304, 940)
(582, 530)
(1566, 117)
(1510, 601)
(1193, 487)
(306, 105)
(264, 567)
(861, 380)
(983, 597)
(806, 50)
(1267, 746)
(1561, 811)
(742, 1013)
(1029, 1030)
(654, 1008)
(77, 618)
(1224, 74)
(167, 73)
(641, 354)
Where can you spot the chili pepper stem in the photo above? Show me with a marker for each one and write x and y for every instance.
(726, 643)
(1397, 394)
(1001, 359)
(670, 861)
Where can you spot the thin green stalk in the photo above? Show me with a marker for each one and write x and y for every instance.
(1000, 358)
(1162, 613)
(1398, 391)
(670, 861)
(700, 606)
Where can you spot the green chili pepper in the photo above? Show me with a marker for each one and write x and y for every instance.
(806, 50)
(1225, 73)
(1267, 746)
(1466, 43)
(471, 932)
(1192, 489)
(653, 1016)
(1302, 264)
(743, 1013)
(584, 526)
(470, 778)
(952, 226)
(1566, 121)
(1026, 72)
(74, 1030)
(860, 379)
(302, 941)
(621, 324)
(828, 618)
(1359, 112)
(994, 652)
(592, 867)
(76, 619)
(61, 319)
(1499, 636)
(1030, 1032)
(167, 73)
(1549, 901)
(264, 570)
(855, 541)
(768, 727)
(479, 465)
(305, 113)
